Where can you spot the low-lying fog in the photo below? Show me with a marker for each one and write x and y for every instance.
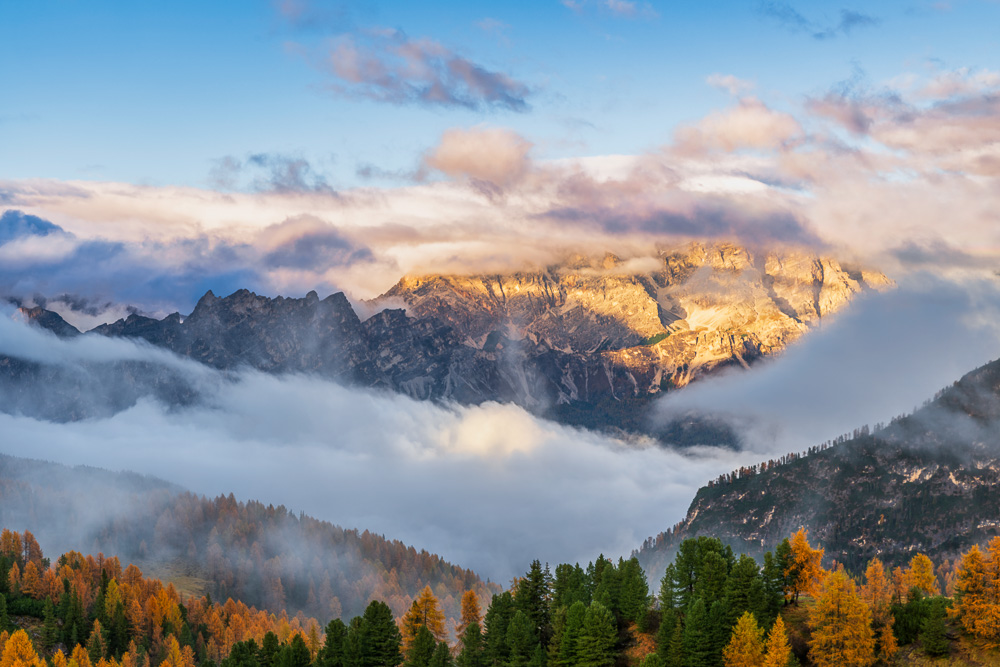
(492, 487)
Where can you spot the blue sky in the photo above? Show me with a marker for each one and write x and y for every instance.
(150, 151)
(155, 93)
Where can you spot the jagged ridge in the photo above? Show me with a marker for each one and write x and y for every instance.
(568, 341)
(928, 482)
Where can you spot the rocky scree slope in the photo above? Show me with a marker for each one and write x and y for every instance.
(928, 482)
(585, 341)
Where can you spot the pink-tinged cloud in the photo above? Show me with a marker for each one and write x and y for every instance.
(732, 84)
(628, 9)
(920, 188)
(750, 124)
(495, 156)
(389, 66)
(959, 83)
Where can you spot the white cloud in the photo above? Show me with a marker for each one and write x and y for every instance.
(488, 487)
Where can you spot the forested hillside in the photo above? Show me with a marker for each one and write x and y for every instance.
(263, 555)
(927, 482)
(713, 609)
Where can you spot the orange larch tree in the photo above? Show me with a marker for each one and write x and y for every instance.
(841, 626)
(805, 569)
(18, 652)
(424, 611)
(921, 575)
(877, 593)
(471, 613)
(777, 651)
(746, 644)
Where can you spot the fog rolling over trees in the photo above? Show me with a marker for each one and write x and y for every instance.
(263, 555)
(429, 475)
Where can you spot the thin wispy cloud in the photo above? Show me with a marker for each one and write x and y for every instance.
(498, 29)
(390, 66)
(268, 172)
(733, 85)
(627, 9)
(791, 19)
(314, 15)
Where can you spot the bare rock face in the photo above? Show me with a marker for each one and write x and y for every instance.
(925, 483)
(585, 333)
(693, 310)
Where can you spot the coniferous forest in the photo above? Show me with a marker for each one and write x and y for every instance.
(711, 608)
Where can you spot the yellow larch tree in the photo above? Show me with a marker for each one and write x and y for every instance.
(18, 652)
(777, 650)
(471, 613)
(31, 582)
(877, 593)
(746, 644)
(841, 626)
(977, 592)
(425, 611)
(31, 551)
(78, 656)
(14, 579)
(806, 567)
(900, 591)
(10, 544)
(921, 575)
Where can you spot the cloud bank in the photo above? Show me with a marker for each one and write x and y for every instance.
(489, 487)
(880, 359)
(903, 177)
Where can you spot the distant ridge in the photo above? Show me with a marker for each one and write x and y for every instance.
(585, 342)
(928, 482)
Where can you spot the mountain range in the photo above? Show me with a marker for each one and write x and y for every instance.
(586, 342)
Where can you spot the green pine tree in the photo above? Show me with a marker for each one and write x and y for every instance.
(422, 648)
(50, 629)
(294, 654)
(668, 592)
(380, 639)
(596, 646)
(4, 619)
(495, 623)
(570, 586)
(652, 660)
(669, 619)
(698, 637)
(933, 635)
(269, 648)
(575, 616)
(471, 654)
(243, 654)
(332, 652)
(634, 591)
(534, 592)
(352, 648)
(521, 639)
(442, 656)
(739, 587)
(675, 652)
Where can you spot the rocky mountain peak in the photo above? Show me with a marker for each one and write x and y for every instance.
(590, 338)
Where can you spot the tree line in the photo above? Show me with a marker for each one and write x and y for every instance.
(712, 608)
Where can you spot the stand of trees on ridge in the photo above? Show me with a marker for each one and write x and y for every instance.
(712, 608)
(263, 555)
